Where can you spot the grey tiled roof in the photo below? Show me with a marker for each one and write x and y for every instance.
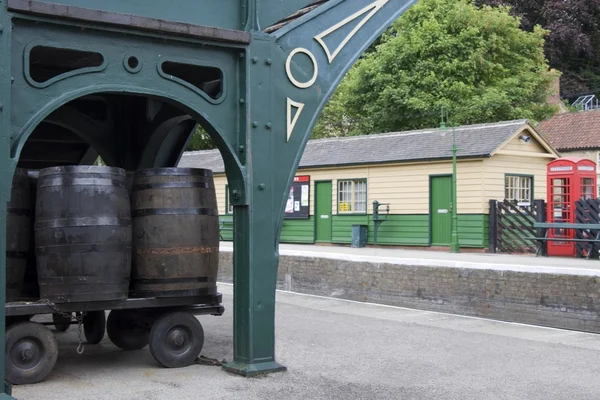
(422, 145)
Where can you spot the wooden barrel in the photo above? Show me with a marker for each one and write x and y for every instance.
(83, 234)
(175, 233)
(31, 289)
(18, 234)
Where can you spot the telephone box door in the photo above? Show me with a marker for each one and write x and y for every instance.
(560, 210)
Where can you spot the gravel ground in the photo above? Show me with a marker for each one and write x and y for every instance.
(337, 349)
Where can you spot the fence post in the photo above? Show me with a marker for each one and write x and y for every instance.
(540, 216)
(493, 229)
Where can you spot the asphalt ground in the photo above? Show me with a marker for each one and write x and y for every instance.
(336, 349)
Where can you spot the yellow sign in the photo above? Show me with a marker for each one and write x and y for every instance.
(345, 206)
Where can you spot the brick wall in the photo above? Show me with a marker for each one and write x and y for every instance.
(561, 301)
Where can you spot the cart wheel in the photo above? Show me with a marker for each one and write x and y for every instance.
(126, 331)
(94, 325)
(61, 323)
(31, 353)
(176, 339)
(16, 319)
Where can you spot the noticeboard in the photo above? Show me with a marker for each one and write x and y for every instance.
(298, 203)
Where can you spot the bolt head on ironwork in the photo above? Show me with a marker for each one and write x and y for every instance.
(1, 28)
(261, 186)
(255, 124)
(269, 61)
(242, 149)
(235, 194)
(269, 126)
(254, 60)
(1, 106)
(242, 101)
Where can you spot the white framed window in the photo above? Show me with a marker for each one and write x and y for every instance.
(519, 189)
(352, 196)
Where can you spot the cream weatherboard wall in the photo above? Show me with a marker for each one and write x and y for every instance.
(405, 187)
(516, 158)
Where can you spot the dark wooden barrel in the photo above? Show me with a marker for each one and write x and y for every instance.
(175, 233)
(31, 289)
(83, 234)
(129, 175)
(18, 234)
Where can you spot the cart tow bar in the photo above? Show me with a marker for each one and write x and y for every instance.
(78, 318)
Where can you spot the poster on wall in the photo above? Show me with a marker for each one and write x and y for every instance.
(297, 206)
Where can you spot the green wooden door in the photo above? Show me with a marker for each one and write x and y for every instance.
(441, 214)
(323, 192)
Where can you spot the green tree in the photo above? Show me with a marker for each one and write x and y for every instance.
(475, 62)
(200, 140)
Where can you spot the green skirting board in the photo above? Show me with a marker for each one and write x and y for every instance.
(398, 230)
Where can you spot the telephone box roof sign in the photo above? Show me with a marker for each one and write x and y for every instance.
(570, 165)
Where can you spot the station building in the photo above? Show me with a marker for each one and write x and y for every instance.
(339, 179)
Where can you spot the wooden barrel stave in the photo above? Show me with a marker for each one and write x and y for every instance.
(18, 234)
(175, 233)
(83, 234)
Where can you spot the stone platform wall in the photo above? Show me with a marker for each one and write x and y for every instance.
(554, 300)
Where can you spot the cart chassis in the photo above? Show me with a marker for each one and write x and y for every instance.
(198, 305)
(166, 325)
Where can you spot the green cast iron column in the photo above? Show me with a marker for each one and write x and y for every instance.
(5, 173)
(255, 258)
(291, 75)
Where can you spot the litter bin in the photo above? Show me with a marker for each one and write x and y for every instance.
(359, 235)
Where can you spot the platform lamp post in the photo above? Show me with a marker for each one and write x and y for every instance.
(454, 242)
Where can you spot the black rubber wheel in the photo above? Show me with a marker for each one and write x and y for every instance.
(31, 353)
(61, 323)
(94, 325)
(176, 339)
(126, 331)
(15, 319)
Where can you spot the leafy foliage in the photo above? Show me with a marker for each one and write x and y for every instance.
(200, 140)
(475, 62)
(573, 45)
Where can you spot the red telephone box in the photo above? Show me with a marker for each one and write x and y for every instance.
(569, 179)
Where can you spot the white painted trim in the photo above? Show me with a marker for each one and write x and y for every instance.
(373, 7)
(525, 154)
(288, 68)
(291, 122)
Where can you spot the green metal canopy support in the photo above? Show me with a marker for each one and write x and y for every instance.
(274, 87)
(293, 73)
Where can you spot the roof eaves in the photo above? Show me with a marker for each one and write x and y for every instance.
(578, 148)
(411, 161)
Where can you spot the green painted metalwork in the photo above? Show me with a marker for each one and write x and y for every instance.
(454, 245)
(378, 218)
(6, 172)
(271, 89)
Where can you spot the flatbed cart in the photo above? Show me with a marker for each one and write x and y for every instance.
(167, 325)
